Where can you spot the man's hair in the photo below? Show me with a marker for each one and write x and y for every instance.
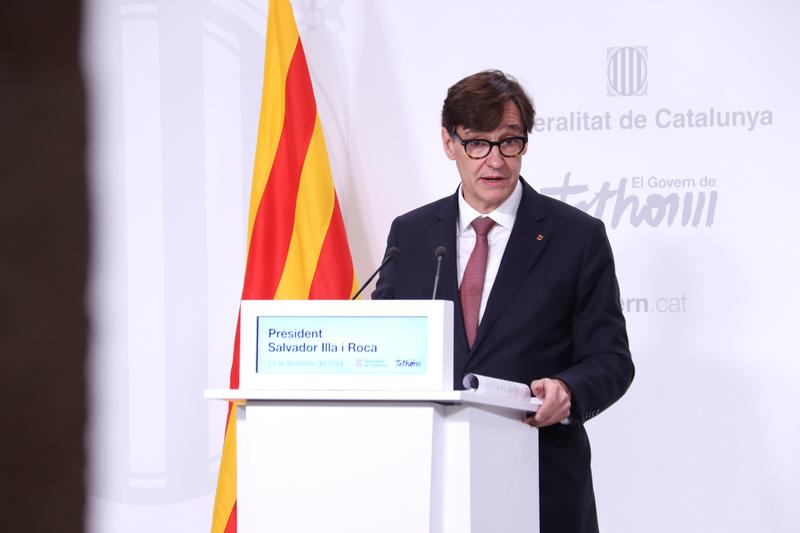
(477, 102)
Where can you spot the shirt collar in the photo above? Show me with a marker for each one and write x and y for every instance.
(504, 214)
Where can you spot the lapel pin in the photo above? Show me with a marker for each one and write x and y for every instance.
(540, 237)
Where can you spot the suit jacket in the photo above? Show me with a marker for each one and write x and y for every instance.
(553, 311)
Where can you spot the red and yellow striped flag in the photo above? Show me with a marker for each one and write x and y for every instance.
(296, 242)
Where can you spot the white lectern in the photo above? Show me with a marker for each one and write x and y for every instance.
(433, 461)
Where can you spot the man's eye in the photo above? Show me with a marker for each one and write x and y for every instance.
(476, 143)
(508, 141)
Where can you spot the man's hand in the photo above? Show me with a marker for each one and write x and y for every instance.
(556, 402)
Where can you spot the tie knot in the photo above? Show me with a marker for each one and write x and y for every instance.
(482, 225)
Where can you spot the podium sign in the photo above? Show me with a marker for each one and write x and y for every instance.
(346, 345)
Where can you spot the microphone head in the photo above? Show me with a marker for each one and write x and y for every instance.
(392, 252)
(440, 251)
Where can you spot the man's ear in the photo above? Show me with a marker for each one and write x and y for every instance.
(449, 144)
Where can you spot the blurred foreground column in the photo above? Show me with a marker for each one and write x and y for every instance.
(43, 232)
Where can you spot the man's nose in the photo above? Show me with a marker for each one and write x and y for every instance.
(495, 158)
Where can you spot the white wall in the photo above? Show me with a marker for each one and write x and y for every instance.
(706, 438)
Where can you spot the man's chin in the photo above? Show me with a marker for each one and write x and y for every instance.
(502, 187)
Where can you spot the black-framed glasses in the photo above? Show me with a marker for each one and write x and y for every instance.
(480, 148)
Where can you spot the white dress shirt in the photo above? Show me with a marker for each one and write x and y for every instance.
(504, 216)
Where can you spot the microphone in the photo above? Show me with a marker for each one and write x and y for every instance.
(391, 253)
(438, 253)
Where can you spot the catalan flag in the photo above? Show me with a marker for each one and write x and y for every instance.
(296, 241)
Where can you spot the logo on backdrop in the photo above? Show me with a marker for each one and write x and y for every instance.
(626, 71)
(650, 200)
(626, 74)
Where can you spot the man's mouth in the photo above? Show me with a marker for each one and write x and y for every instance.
(493, 179)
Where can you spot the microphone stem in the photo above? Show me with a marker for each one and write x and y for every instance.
(364, 286)
(436, 279)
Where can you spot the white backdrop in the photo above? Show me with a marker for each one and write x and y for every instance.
(674, 123)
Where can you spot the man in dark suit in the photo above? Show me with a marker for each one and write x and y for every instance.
(533, 282)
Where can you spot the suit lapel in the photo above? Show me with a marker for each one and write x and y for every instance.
(443, 233)
(527, 241)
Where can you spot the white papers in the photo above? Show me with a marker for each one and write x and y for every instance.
(498, 388)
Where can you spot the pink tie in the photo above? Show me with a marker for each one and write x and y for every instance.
(474, 275)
